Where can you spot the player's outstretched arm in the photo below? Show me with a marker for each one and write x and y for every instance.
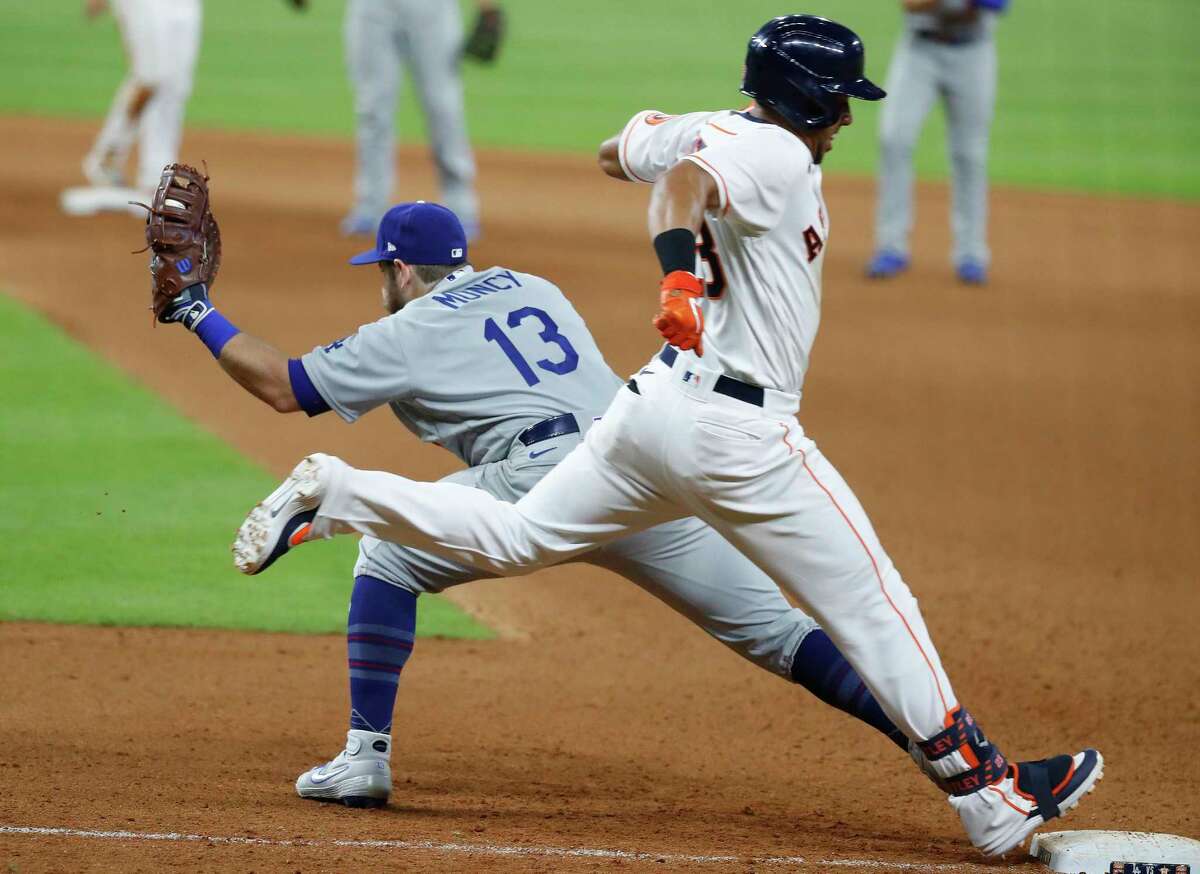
(254, 364)
(677, 205)
(260, 369)
(609, 158)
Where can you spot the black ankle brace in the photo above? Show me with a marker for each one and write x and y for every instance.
(986, 764)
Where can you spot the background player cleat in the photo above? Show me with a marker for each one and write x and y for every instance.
(87, 200)
(358, 225)
(887, 264)
(972, 272)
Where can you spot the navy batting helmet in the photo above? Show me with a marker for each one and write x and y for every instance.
(799, 65)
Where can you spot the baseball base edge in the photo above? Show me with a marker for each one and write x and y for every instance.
(1116, 852)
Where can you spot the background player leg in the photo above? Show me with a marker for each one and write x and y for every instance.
(105, 163)
(912, 87)
(970, 86)
(433, 59)
(173, 45)
(373, 46)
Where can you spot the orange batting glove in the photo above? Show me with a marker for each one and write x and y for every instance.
(681, 321)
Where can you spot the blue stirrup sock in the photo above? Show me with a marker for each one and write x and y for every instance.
(379, 640)
(820, 667)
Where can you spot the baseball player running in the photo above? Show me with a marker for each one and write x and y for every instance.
(707, 427)
(947, 50)
(162, 41)
(534, 384)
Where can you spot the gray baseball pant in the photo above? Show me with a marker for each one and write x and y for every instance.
(965, 77)
(424, 35)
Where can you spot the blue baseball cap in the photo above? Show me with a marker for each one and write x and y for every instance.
(417, 233)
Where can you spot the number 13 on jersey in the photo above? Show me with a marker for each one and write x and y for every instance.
(549, 334)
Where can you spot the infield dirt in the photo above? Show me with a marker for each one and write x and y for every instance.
(1027, 451)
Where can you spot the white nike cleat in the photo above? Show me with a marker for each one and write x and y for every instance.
(358, 777)
(89, 200)
(281, 521)
(999, 817)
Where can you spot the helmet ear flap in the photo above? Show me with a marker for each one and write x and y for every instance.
(807, 107)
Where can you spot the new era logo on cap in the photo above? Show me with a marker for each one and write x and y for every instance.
(391, 247)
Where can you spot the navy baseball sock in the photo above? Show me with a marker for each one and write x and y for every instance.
(820, 667)
(379, 640)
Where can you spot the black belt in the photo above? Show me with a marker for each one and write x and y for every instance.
(945, 38)
(547, 429)
(725, 385)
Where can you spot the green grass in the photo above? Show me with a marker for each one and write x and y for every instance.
(117, 511)
(1094, 96)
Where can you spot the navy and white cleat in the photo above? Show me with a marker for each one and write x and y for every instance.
(999, 817)
(359, 776)
(358, 225)
(283, 520)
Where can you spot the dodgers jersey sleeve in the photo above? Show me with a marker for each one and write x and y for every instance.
(360, 372)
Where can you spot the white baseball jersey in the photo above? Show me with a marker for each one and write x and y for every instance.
(761, 251)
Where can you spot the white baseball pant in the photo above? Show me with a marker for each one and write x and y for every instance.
(679, 448)
(162, 42)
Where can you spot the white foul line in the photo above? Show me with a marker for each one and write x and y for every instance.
(477, 849)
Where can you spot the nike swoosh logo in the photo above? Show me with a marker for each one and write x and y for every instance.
(543, 452)
(320, 775)
(282, 503)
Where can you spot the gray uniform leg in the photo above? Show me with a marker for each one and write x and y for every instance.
(373, 62)
(693, 570)
(435, 34)
(685, 564)
(969, 83)
(912, 86)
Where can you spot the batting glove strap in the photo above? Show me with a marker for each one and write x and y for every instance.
(679, 283)
(189, 307)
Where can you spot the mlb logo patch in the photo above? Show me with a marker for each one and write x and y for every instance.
(456, 253)
(691, 378)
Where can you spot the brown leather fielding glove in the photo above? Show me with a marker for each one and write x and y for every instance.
(483, 43)
(182, 235)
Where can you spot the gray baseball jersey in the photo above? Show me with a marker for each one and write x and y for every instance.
(477, 360)
(948, 54)
(471, 364)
